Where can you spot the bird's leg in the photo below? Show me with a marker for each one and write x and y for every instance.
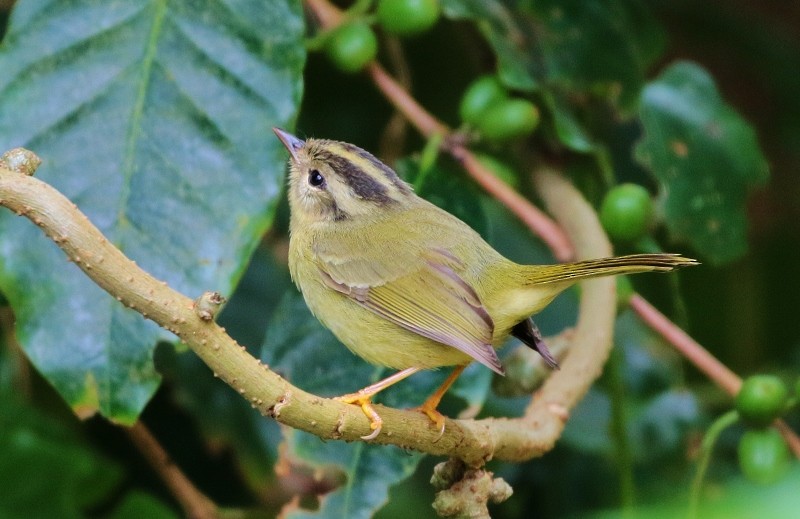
(363, 398)
(429, 406)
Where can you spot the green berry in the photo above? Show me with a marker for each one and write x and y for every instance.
(480, 95)
(763, 455)
(626, 212)
(508, 119)
(351, 46)
(761, 399)
(408, 17)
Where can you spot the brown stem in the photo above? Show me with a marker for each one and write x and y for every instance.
(701, 358)
(688, 347)
(425, 123)
(195, 504)
(393, 138)
(22, 368)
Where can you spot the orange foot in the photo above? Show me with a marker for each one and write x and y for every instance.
(436, 417)
(365, 401)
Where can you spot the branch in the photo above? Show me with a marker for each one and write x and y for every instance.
(592, 339)
(702, 359)
(473, 441)
(194, 503)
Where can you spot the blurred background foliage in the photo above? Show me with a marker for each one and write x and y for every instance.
(602, 73)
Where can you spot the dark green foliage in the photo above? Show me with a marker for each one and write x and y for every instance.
(154, 117)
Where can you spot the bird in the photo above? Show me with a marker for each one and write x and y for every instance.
(403, 283)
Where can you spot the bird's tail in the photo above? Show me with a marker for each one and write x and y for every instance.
(631, 264)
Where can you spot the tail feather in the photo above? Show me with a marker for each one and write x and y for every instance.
(608, 267)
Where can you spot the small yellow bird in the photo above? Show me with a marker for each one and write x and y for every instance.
(407, 285)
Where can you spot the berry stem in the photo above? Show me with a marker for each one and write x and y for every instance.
(706, 449)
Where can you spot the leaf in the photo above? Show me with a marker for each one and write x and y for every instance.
(660, 427)
(309, 356)
(138, 504)
(598, 47)
(154, 118)
(515, 65)
(706, 157)
(370, 471)
(47, 470)
(568, 129)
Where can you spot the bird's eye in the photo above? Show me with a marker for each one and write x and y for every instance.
(315, 178)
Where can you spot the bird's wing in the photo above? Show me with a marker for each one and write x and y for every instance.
(420, 291)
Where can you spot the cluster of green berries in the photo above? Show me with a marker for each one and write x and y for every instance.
(352, 45)
(763, 453)
(487, 107)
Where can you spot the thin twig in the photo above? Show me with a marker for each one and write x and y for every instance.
(701, 358)
(195, 504)
(688, 347)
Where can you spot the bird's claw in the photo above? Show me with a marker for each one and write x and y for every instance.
(365, 402)
(436, 417)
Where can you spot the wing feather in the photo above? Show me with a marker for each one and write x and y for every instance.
(451, 314)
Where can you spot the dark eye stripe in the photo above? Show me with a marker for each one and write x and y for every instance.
(362, 184)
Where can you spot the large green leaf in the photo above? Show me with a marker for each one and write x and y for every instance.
(706, 157)
(600, 47)
(154, 118)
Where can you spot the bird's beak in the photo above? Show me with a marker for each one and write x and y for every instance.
(292, 143)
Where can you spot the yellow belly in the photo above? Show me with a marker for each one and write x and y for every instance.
(372, 337)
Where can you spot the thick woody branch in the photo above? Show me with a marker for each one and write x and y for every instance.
(472, 441)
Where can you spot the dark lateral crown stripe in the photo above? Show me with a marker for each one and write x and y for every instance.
(390, 174)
